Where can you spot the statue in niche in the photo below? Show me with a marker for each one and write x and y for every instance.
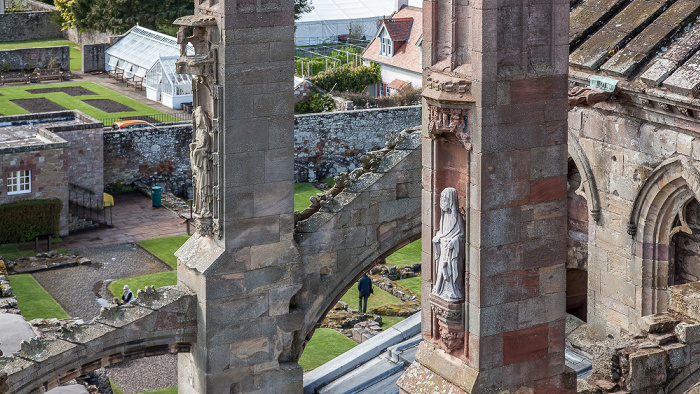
(201, 160)
(448, 245)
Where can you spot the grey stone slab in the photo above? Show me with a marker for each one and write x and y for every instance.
(686, 79)
(371, 373)
(13, 330)
(71, 389)
(361, 354)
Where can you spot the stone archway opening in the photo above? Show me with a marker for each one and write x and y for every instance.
(685, 245)
(577, 245)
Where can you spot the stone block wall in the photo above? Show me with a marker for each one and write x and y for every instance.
(327, 144)
(94, 57)
(158, 157)
(85, 155)
(49, 177)
(31, 58)
(645, 163)
(21, 26)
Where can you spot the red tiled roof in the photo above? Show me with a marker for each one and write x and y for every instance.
(406, 54)
(398, 84)
(399, 29)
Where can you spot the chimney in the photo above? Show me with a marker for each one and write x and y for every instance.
(399, 4)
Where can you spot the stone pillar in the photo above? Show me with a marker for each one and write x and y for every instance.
(242, 263)
(494, 128)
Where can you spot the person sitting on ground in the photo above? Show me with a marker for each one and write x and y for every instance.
(127, 297)
(364, 286)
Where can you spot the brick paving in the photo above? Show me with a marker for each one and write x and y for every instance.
(134, 219)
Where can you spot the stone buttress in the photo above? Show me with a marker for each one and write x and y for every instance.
(494, 128)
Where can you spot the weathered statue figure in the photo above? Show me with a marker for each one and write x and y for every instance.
(448, 245)
(201, 160)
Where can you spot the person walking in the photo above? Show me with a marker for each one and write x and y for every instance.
(364, 286)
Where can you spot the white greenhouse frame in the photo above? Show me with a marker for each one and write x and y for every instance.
(139, 51)
(165, 85)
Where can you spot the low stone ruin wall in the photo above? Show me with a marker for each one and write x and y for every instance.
(31, 58)
(327, 144)
(22, 26)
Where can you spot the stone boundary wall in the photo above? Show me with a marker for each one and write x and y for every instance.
(94, 57)
(327, 144)
(22, 26)
(31, 58)
(158, 157)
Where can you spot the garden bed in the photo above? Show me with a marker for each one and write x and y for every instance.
(69, 90)
(37, 105)
(109, 106)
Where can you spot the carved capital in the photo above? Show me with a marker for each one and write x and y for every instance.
(446, 310)
(449, 120)
(205, 226)
(451, 338)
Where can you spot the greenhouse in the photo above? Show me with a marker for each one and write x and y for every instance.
(165, 85)
(142, 49)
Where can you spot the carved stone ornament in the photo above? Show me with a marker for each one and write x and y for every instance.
(448, 248)
(665, 106)
(646, 102)
(449, 120)
(685, 111)
(585, 96)
(446, 313)
(451, 340)
(202, 62)
(201, 162)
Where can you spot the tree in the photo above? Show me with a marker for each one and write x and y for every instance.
(301, 7)
(117, 16)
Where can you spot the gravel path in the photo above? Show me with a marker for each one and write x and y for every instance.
(146, 374)
(75, 287)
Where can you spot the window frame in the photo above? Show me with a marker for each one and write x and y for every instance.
(386, 44)
(21, 179)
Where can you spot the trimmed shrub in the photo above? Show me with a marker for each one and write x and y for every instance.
(346, 78)
(316, 102)
(24, 220)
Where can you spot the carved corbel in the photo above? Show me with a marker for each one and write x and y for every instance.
(585, 96)
(449, 120)
(201, 63)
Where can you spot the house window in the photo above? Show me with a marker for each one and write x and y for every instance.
(386, 44)
(19, 182)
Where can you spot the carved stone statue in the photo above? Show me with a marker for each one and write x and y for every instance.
(201, 161)
(448, 245)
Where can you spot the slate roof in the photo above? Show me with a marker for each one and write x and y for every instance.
(405, 30)
(654, 42)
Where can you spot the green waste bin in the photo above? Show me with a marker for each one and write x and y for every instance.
(155, 196)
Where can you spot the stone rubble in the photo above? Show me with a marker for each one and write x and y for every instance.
(46, 261)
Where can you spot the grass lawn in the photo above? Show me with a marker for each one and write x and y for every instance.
(164, 248)
(7, 107)
(76, 55)
(115, 389)
(379, 298)
(302, 193)
(388, 321)
(11, 252)
(409, 254)
(412, 284)
(168, 390)
(325, 345)
(159, 279)
(33, 300)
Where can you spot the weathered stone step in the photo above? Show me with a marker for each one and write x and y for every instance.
(642, 47)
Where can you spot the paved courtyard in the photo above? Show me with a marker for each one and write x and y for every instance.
(134, 219)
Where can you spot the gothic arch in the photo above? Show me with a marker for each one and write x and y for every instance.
(665, 191)
(588, 184)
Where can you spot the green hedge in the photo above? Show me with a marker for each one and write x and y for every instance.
(346, 78)
(24, 220)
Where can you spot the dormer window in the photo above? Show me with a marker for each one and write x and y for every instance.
(387, 45)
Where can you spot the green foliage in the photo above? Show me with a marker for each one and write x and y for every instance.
(164, 248)
(337, 58)
(119, 187)
(115, 389)
(301, 7)
(160, 279)
(302, 192)
(346, 78)
(406, 96)
(408, 255)
(9, 93)
(168, 390)
(316, 102)
(24, 220)
(413, 284)
(118, 16)
(388, 321)
(33, 301)
(379, 298)
(325, 345)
